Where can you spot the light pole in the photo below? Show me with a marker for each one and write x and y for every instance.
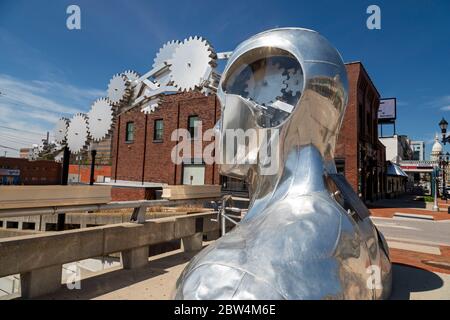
(443, 163)
(443, 160)
(435, 174)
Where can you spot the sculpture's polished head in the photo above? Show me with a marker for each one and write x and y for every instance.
(288, 79)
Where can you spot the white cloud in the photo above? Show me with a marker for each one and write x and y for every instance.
(32, 107)
(446, 108)
(441, 102)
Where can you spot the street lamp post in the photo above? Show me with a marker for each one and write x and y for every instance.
(444, 160)
(434, 181)
(444, 124)
(443, 163)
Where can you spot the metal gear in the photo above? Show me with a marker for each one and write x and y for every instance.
(266, 84)
(294, 84)
(212, 82)
(100, 119)
(192, 63)
(151, 106)
(133, 76)
(77, 133)
(119, 90)
(164, 55)
(207, 91)
(61, 130)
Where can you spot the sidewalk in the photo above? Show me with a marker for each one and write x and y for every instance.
(387, 208)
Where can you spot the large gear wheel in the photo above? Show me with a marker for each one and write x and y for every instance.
(151, 106)
(266, 84)
(164, 55)
(192, 63)
(61, 130)
(294, 83)
(100, 119)
(119, 90)
(77, 133)
(133, 76)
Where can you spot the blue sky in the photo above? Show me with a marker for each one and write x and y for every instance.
(47, 71)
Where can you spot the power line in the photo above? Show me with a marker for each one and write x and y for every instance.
(18, 137)
(21, 143)
(22, 130)
(6, 147)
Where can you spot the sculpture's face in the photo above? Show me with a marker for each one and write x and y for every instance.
(259, 91)
(289, 80)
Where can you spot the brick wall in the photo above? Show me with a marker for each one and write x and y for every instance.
(147, 160)
(347, 145)
(41, 172)
(358, 140)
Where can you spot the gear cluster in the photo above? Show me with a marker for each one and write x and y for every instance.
(82, 128)
(180, 66)
(266, 84)
(121, 88)
(272, 81)
(192, 64)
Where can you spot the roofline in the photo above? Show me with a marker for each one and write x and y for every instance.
(367, 74)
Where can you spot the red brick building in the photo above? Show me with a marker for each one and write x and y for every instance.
(22, 171)
(142, 144)
(359, 153)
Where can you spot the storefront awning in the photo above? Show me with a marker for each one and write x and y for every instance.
(395, 170)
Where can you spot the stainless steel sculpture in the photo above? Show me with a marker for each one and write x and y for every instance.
(306, 235)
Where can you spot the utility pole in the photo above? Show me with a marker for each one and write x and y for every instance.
(64, 181)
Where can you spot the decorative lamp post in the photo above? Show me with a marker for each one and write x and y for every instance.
(444, 159)
(444, 124)
(443, 163)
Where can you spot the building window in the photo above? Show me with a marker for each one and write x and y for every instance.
(193, 123)
(129, 136)
(158, 130)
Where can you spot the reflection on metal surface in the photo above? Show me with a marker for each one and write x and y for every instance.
(306, 234)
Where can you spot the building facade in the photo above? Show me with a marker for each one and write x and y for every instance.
(24, 153)
(398, 148)
(359, 154)
(418, 148)
(143, 145)
(16, 171)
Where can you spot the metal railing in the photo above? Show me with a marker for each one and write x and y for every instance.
(223, 210)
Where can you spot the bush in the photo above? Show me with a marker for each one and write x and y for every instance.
(428, 199)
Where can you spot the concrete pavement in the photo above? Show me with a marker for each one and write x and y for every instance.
(416, 230)
(158, 279)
